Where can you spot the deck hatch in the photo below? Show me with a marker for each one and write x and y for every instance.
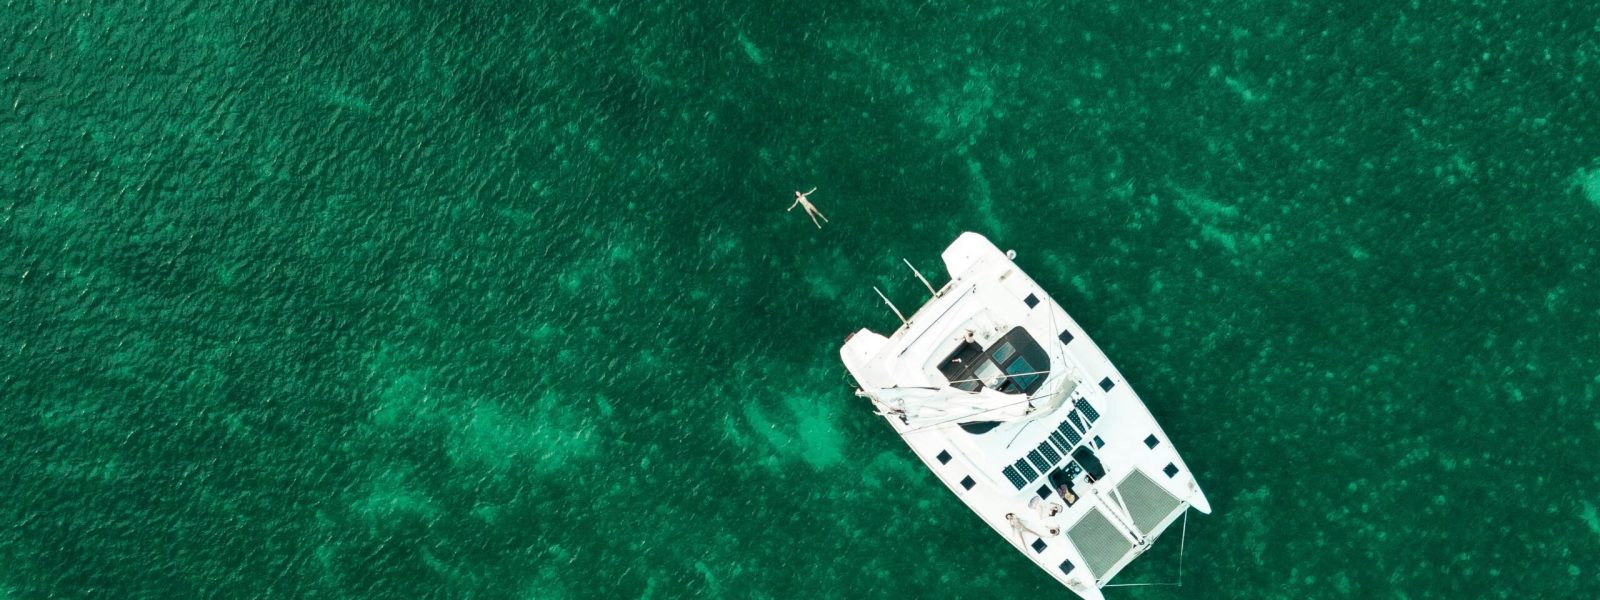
(1099, 542)
(1148, 503)
(1106, 384)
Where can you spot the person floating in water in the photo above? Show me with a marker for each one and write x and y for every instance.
(801, 201)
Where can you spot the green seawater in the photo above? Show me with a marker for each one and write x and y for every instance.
(495, 300)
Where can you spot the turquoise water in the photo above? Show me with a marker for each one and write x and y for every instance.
(500, 300)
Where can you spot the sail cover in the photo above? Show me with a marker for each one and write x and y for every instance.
(936, 405)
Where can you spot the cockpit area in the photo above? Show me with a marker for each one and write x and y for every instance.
(1014, 364)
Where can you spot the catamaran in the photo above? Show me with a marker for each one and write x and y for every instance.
(1013, 407)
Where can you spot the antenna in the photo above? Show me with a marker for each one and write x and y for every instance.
(924, 280)
(903, 321)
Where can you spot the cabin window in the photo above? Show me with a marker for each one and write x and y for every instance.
(990, 374)
(1003, 352)
(1015, 364)
(1023, 373)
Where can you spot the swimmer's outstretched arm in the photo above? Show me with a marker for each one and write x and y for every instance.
(796, 203)
(809, 193)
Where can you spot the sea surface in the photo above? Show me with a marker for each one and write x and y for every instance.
(499, 300)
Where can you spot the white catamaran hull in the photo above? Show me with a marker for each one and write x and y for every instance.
(1020, 414)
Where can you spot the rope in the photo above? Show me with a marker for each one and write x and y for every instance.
(1061, 359)
(1004, 376)
(990, 409)
(1182, 539)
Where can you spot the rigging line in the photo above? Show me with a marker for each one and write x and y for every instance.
(1064, 362)
(1067, 370)
(1107, 407)
(992, 409)
(1182, 540)
(1003, 376)
(1111, 510)
(964, 417)
(1021, 429)
(1053, 325)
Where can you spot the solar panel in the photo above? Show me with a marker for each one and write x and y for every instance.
(1038, 460)
(1025, 469)
(1062, 446)
(1015, 477)
(1049, 452)
(1077, 421)
(1060, 441)
(1088, 411)
(1072, 436)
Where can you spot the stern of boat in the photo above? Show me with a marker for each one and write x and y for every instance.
(858, 353)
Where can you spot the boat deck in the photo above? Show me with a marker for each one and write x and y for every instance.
(1090, 453)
